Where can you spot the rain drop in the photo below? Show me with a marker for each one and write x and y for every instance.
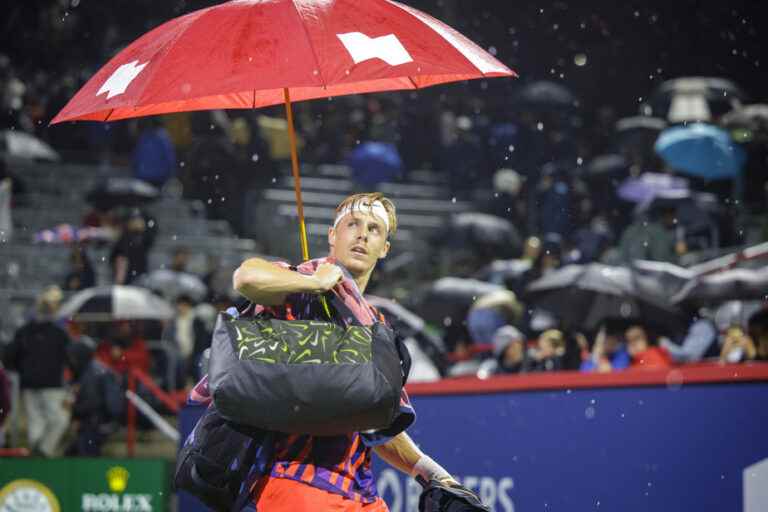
(254, 157)
(580, 59)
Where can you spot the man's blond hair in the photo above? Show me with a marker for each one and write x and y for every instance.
(364, 200)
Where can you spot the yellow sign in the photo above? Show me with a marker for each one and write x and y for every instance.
(117, 478)
(27, 496)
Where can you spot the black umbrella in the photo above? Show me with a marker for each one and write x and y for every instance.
(121, 192)
(584, 296)
(447, 300)
(734, 284)
(483, 233)
(544, 95)
(747, 123)
(639, 132)
(609, 165)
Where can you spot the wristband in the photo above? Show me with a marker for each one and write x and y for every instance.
(428, 469)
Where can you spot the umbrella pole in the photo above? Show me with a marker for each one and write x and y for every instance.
(296, 178)
(297, 189)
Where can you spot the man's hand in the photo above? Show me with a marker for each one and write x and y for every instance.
(327, 276)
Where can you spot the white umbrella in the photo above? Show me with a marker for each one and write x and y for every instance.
(171, 284)
(107, 303)
(24, 145)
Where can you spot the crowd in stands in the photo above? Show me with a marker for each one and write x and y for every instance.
(534, 165)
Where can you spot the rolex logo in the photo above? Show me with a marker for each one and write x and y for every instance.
(117, 478)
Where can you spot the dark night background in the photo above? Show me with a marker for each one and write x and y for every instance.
(630, 46)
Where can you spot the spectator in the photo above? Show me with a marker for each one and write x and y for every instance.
(189, 337)
(490, 312)
(82, 275)
(738, 346)
(180, 259)
(643, 353)
(699, 342)
(548, 356)
(509, 349)
(124, 349)
(758, 330)
(99, 401)
(41, 378)
(129, 257)
(608, 352)
(5, 403)
(154, 159)
(652, 238)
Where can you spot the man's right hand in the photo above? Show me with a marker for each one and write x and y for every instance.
(327, 276)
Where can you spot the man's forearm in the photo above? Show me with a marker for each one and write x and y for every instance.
(403, 454)
(265, 283)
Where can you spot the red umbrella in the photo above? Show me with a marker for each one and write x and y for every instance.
(252, 53)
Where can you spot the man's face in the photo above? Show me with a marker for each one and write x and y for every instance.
(358, 241)
(637, 340)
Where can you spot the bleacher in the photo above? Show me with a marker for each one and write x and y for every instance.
(56, 196)
(423, 200)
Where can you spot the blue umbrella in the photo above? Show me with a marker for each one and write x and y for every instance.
(375, 162)
(701, 150)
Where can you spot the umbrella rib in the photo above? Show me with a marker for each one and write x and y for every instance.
(309, 42)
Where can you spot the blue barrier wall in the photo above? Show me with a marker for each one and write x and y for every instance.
(662, 445)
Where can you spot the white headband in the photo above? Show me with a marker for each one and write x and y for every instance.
(376, 208)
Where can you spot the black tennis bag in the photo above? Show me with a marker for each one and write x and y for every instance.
(306, 376)
(220, 459)
(440, 497)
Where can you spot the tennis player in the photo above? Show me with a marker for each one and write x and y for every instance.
(321, 474)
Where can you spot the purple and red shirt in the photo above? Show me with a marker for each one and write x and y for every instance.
(337, 464)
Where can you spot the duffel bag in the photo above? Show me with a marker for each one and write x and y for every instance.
(306, 376)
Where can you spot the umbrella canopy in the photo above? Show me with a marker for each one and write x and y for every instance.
(375, 162)
(482, 231)
(121, 192)
(747, 123)
(584, 296)
(243, 54)
(171, 284)
(544, 95)
(701, 150)
(650, 184)
(672, 278)
(26, 146)
(449, 299)
(108, 303)
(690, 99)
(734, 284)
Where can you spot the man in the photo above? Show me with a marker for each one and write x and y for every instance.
(333, 473)
(38, 354)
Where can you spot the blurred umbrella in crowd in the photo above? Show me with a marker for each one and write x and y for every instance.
(375, 162)
(583, 296)
(120, 191)
(690, 99)
(504, 272)
(650, 184)
(734, 284)
(447, 300)
(701, 150)
(672, 278)
(108, 303)
(69, 234)
(638, 131)
(747, 123)
(609, 165)
(171, 284)
(486, 234)
(410, 325)
(24, 146)
(278, 52)
(545, 95)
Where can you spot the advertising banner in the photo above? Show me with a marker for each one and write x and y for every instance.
(87, 485)
(660, 444)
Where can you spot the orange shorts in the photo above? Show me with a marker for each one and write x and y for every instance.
(285, 495)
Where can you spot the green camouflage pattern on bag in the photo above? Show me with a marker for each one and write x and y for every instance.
(300, 341)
